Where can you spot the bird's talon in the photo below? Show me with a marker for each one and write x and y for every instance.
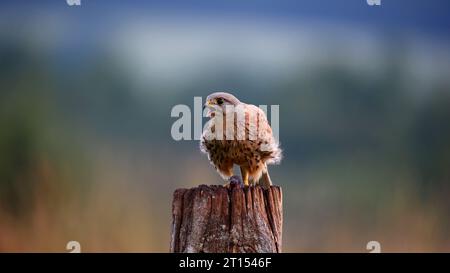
(235, 181)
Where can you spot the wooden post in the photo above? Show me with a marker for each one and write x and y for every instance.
(227, 220)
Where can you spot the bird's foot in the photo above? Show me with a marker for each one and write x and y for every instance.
(234, 181)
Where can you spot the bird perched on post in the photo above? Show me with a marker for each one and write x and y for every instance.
(239, 133)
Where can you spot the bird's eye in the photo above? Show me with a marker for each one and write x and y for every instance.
(219, 101)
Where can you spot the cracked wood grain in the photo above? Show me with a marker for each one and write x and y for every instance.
(227, 220)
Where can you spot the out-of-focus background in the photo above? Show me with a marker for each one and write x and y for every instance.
(86, 93)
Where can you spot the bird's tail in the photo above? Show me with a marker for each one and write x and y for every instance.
(266, 181)
(271, 153)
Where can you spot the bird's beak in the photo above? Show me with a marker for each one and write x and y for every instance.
(209, 106)
(207, 103)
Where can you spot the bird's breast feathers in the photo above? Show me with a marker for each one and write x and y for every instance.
(250, 137)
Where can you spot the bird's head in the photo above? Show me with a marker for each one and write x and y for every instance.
(217, 103)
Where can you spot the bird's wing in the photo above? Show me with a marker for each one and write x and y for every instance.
(267, 144)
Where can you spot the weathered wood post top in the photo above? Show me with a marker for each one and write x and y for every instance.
(227, 219)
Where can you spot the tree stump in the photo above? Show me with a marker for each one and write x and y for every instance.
(227, 220)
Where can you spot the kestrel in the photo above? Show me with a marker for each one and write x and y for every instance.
(246, 139)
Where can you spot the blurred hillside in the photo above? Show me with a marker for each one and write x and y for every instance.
(86, 152)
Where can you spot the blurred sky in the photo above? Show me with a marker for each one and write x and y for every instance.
(429, 16)
(159, 38)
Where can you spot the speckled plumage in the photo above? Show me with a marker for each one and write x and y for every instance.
(251, 148)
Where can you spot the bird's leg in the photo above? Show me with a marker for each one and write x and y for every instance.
(244, 173)
(227, 175)
(266, 182)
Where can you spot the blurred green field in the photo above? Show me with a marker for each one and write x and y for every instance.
(86, 152)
